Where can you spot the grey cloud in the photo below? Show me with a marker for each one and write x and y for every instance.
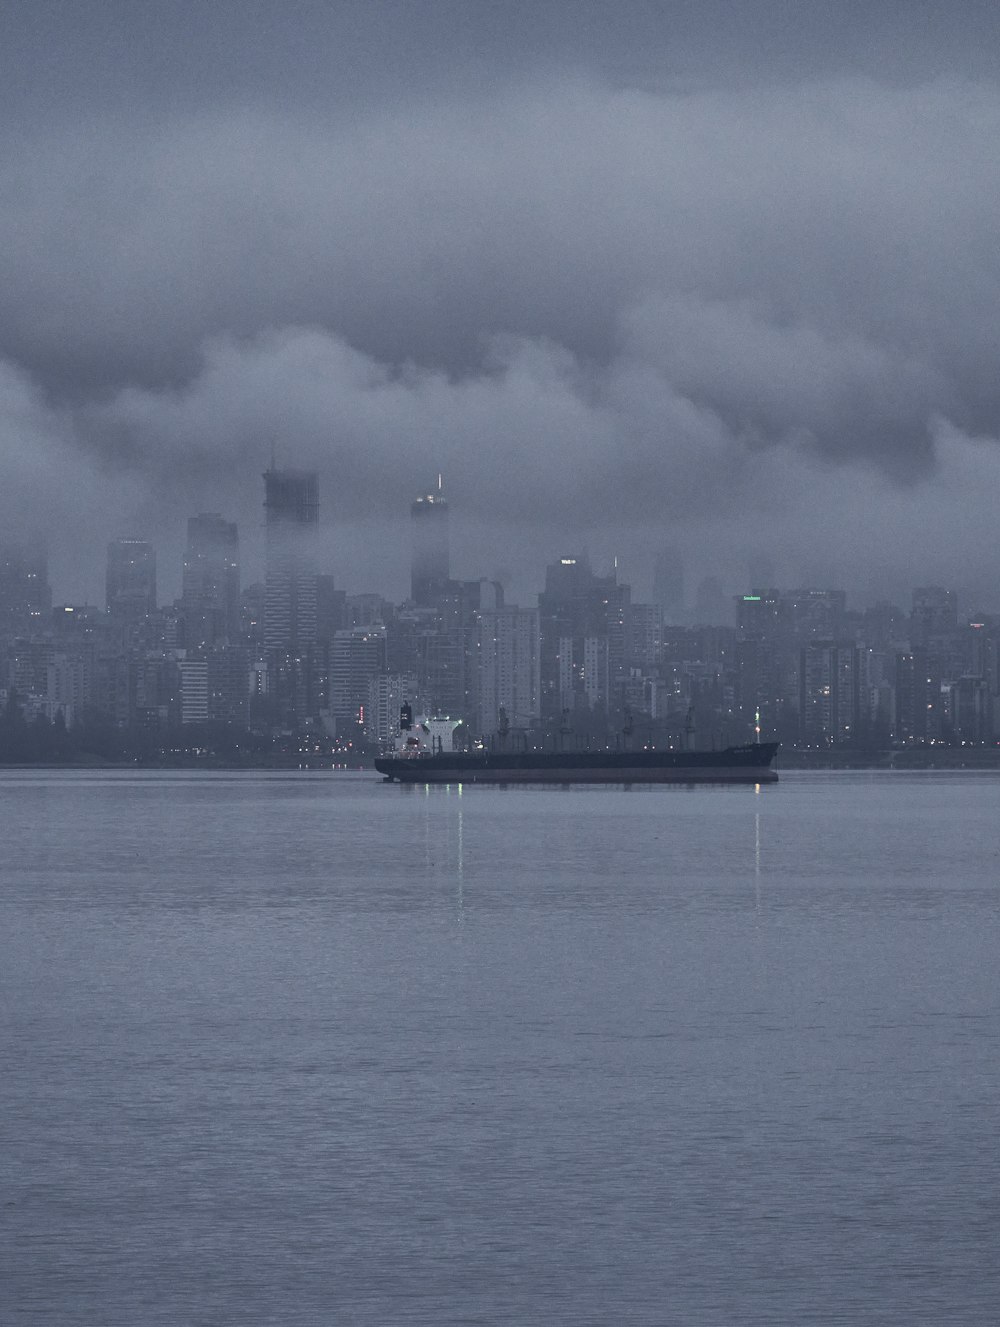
(775, 382)
(840, 223)
(601, 310)
(140, 59)
(537, 457)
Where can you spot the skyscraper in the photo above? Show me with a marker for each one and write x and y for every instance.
(430, 568)
(832, 688)
(25, 597)
(291, 501)
(509, 663)
(210, 587)
(131, 579)
(668, 583)
(935, 613)
(583, 637)
(357, 656)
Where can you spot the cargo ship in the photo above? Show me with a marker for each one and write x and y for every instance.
(415, 762)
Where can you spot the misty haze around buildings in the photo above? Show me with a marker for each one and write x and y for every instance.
(708, 286)
(302, 669)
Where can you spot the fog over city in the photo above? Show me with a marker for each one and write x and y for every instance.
(717, 275)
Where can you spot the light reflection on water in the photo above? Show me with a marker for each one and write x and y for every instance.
(311, 1048)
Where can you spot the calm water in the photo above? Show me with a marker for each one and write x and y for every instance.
(309, 1049)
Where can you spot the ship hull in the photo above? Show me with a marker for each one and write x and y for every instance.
(748, 764)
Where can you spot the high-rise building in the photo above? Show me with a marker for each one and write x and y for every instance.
(832, 692)
(919, 698)
(582, 620)
(230, 670)
(767, 664)
(935, 614)
(25, 597)
(668, 583)
(509, 663)
(815, 614)
(387, 694)
(981, 652)
(643, 634)
(193, 690)
(295, 674)
(773, 627)
(291, 501)
(131, 579)
(366, 610)
(969, 710)
(439, 645)
(884, 627)
(70, 683)
(330, 608)
(712, 606)
(357, 656)
(210, 586)
(430, 568)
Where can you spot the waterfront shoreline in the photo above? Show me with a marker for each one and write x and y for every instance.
(789, 760)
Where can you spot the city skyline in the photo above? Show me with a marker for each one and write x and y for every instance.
(297, 659)
(664, 574)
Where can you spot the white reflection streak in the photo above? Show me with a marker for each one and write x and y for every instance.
(461, 864)
(756, 855)
(428, 859)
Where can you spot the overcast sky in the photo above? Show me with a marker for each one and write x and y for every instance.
(724, 275)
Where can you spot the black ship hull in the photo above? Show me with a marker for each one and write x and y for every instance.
(752, 763)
